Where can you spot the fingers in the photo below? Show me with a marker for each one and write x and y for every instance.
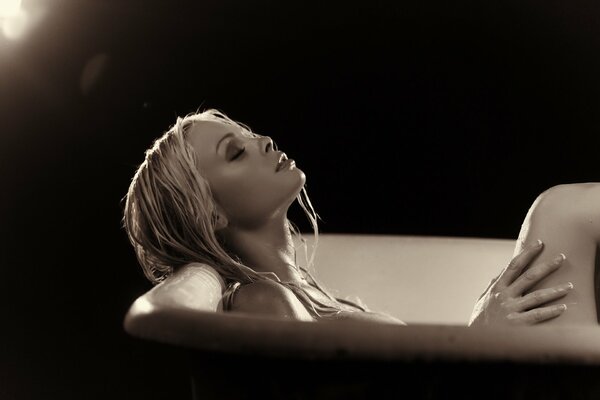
(517, 264)
(542, 296)
(533, 275)
(537, 315)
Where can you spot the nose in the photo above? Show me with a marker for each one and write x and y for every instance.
(266, 144)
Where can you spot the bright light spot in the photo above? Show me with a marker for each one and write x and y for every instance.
(14, 26)
(18, 19)
(9, 8)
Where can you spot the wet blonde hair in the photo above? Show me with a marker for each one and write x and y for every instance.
(170, 217)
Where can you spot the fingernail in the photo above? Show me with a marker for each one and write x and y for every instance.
(539, 243)
(562, 307)
(565, 286)
(561, 257)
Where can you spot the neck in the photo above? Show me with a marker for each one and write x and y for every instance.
(268, 248)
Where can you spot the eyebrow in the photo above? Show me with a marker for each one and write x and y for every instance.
(228, 134)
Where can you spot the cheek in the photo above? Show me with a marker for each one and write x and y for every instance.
(246, 196)
(242, 194)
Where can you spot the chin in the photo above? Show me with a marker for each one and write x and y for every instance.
(295, 181)
(302, 178)
(302, 175)
(297, 188)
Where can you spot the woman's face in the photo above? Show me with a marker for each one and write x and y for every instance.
(241, 172)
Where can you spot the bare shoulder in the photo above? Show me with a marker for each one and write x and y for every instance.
(270, 298)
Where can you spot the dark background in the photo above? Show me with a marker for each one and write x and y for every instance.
(411, 118)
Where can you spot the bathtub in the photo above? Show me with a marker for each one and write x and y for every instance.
(431, 283)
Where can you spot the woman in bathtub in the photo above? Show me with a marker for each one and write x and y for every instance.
(212, 192)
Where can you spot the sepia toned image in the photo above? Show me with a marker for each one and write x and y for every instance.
(299, 200)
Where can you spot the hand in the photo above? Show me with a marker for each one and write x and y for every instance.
(503, 303)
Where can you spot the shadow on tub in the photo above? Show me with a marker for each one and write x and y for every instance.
(234, 355)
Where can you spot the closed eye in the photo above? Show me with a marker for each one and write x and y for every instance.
(238, 154)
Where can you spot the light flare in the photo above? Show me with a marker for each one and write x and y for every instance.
(9, 8)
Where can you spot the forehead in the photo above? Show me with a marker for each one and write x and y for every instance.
(205, 133)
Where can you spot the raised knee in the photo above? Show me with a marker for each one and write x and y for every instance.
(568, 196)
(556, 196)
(575, 203)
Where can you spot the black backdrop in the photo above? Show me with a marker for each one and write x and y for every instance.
(416, 118)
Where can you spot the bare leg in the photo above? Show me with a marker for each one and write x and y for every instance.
(563, 218)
